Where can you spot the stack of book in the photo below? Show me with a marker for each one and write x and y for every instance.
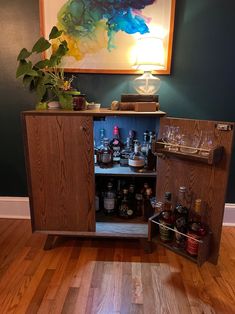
(139, 103)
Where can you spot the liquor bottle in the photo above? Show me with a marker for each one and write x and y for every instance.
(196, 230)
(100, 144)
(147, 206)
(131, 196)
(136, 160)
(151, 158)
(95, 154)
(139, 211)
(166, 219)
(125, 154)
(116, 145)
(109, 199)
(131, 137)
(181, 213)
(125, 209)
(145, 143)
(105, 155)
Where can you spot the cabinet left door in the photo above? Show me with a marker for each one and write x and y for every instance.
(60, 169)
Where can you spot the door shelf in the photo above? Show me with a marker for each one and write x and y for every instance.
(213, 155)
(203, 245)
(119, 171)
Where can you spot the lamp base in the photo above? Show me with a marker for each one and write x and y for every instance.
(147, 84)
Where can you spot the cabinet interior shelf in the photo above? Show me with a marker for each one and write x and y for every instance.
(117, 170)
(213, 157)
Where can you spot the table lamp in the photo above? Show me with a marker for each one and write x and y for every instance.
(149, 57)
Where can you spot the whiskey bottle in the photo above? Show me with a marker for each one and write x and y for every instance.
(116, 145)
(125, 154)
(105, 155)
(151, 158)
(109, 200)
(181, 212)
(166, 219)
(145, 143)
(148, 208)
(196, 230)
(125, 209)
(136, 160)
(100, 144)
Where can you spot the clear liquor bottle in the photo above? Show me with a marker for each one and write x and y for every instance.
(125, 154)
(136, 160)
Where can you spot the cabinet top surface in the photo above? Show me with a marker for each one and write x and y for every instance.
(100, 112)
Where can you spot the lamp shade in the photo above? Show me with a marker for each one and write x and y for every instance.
(149, 54)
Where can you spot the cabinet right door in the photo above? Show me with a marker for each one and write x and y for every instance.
(204, 176)
(60, 166)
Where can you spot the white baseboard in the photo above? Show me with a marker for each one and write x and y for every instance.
(229, 215)
(14, 207)
(18, 207)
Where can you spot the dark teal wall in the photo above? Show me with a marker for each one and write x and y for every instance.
(201, 84)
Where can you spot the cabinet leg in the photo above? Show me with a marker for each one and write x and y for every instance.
(146, 245)
(50, 241)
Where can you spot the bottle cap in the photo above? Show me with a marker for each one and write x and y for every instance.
(115, 130)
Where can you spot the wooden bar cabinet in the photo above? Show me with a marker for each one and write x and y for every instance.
(61, 176)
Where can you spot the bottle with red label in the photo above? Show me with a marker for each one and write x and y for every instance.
(196, 230)
(116, 145)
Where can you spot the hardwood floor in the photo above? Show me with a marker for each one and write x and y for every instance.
(108, 276)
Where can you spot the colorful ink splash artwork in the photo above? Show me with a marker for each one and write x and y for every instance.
(102, 35)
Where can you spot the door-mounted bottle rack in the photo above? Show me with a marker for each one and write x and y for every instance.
(203, 243)
(208, 156)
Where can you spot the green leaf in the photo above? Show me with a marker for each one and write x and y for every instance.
(24, 53)
(23, 68)
(42, 64)
(27, 79)
(55, 33)
(41, 45)
(53, 61)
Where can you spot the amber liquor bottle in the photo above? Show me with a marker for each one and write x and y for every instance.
(181, 212)
(196, 230)
(105, 155)
(166, 219)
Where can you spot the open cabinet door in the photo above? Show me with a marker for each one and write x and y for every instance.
(204, 177)
(60, 169)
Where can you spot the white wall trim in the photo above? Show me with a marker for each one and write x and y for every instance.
(18, 208)
(14, 207)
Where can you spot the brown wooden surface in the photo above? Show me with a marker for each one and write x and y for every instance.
(83, 276)
(102, 112)
(208, 182)
(60, 163)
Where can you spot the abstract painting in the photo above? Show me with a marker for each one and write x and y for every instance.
(102, 35)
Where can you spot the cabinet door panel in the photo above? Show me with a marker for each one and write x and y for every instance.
(60, 166)
(205, 181)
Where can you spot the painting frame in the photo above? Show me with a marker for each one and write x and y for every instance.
(47, 21)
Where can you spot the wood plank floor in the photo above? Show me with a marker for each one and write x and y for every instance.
(108, 276)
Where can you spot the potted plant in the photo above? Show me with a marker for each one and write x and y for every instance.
(44, 76)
